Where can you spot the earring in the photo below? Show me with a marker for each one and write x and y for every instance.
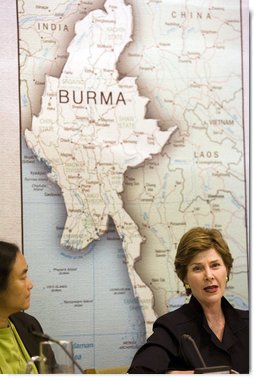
(226, 278)
(187, 286)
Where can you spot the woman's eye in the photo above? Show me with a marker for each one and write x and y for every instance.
(216, 264)
(196, 268)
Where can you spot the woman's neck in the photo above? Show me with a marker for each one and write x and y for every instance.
(4, 318)
(212, 309)
(215, 319)
(4, 322)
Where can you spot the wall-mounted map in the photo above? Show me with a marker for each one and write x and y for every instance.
(132, 133)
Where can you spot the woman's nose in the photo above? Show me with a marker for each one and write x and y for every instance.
(208, 274)
(30, 284)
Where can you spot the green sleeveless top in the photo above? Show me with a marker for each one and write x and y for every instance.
(13, 354)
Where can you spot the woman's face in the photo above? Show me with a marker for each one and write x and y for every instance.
(207, 277)
(16, 297)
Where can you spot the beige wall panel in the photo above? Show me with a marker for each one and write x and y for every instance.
(10, 187)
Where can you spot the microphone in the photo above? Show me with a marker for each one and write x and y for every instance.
(193, 356)
(46, 337)
(195, 359)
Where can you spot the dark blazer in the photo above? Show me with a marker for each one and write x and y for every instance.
(163, 349)
(25, 324)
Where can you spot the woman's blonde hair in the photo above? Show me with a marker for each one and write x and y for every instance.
(194, 242)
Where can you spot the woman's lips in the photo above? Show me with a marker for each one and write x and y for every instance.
(211, 289)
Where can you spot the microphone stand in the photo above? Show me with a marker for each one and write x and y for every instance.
(48, 338)
(200, 367)
(188, 338)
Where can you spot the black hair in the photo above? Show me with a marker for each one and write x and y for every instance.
(8, 252)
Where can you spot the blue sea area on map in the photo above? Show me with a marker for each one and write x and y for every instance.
(84, 296)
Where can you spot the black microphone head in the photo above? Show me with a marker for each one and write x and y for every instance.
(187, 337)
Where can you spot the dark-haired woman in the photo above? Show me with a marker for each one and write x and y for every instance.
(17, 343)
